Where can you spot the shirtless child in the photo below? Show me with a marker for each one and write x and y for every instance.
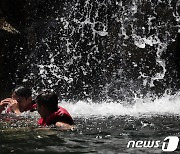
(20, 101)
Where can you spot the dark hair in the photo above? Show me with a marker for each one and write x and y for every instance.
(23, 91)
(48, 99)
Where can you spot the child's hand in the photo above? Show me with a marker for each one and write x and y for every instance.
(4, 103)
(15, 107)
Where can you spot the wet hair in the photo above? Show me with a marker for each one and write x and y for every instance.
(48, 99)
(23, 91)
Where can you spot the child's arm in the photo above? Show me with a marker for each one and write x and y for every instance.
(3, 106)
(13, 104)
(64, 126)
(4, 103)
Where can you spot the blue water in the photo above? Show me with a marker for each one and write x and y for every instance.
(100, 128)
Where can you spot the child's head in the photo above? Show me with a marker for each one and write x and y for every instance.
(47, 102)
(22, 91)
(23, 96)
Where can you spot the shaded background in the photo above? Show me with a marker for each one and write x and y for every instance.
(90, 49)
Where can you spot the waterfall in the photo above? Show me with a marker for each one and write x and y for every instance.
(107, 49)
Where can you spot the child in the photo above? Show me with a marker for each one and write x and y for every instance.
(20, 101)
(51, 114)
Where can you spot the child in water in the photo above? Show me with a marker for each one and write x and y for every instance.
(20, 101)
(51, 113)
(47, 105)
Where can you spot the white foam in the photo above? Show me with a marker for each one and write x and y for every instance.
(167, 104)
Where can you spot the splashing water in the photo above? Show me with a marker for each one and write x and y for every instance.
(104, 49)
(167, 104)
(108, 60)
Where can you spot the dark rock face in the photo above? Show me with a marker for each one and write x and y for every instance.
(86, 49)
(11, 44)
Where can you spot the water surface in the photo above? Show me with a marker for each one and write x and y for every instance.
(102, 131)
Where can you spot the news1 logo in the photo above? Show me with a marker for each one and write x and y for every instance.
(172, 143)
(169, 144)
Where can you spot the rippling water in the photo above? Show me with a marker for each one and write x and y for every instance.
(100, 128)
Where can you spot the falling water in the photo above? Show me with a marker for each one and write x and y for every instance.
(103, 49)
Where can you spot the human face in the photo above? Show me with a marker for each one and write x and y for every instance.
(23, 102)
